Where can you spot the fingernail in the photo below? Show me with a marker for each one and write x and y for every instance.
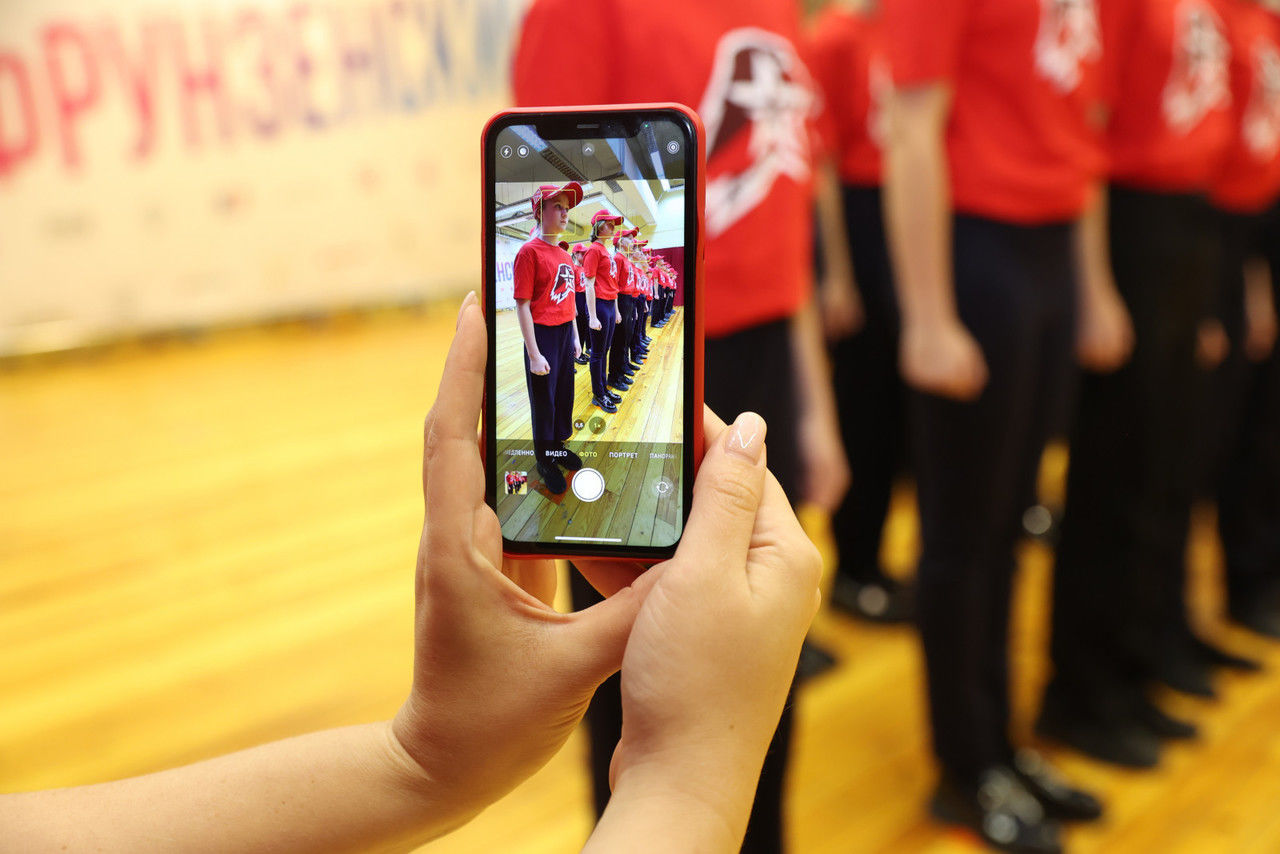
(468, 300)
(746, 437)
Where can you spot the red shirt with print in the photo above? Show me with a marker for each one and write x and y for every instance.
(543, 275)
(1024, 133)
(1168, 91)
(601, 266)
(580, 284)
(846, 55)
(1249, 178)
(737, 65)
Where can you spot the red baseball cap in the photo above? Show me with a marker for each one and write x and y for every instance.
(547, 191)
(579, 247)
(603, 215)
(625, 232)
(563, 244)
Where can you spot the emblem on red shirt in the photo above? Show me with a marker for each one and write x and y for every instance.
(563, 287)
(759, 87)
(1199, 79)
(1068, 37)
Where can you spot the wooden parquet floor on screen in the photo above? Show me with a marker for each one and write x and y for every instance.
(209, 544)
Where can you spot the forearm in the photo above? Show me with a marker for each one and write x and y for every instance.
(590, 285)
(918, 213)
(348, 789)
(813, 370)
(1093, 257)
(525, 315)
(833, 238)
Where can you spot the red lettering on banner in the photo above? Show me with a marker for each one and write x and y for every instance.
(365, 75)
(16, 146)
(250, 24)
(205, 82)
(139, 75)
(70, 100)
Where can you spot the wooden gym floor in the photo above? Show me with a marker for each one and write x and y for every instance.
(208, 544)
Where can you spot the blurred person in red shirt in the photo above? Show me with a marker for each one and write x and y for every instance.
(990, 195)
(845, 52)
(738, 65)
(1241, 401)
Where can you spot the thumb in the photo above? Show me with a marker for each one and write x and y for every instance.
(726, 496)
(594, 639)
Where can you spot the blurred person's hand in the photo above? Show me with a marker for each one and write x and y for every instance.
(1259, 313)
(1212, 344)
(539, 366)
(824, 463)
(1104, 332)
(711, 656)
(942, 358)
(577, 347)
(617, 316)
(842, 310)
(593, 322)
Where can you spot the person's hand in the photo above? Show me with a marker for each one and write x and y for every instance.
(1259, 314)
(617, 317)
(825, 463)
(1104, 332)
(500, 678)
(538, 365)
(1212, 344)
(713, 652)
(577, 347)
(593, 322)
(842, 310)
(942, 358)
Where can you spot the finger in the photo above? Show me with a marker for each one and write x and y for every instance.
(726, 496)
(452, 478)
(593, 640)
(784, 562)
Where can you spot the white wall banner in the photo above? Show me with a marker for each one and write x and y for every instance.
(169, 165)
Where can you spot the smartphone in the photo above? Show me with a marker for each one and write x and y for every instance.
(593, 398)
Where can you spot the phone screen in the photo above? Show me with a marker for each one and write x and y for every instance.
(592, 222)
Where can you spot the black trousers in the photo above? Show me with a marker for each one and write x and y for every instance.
(601, 340)
(749, 370)
(1243, 398)
(1118, 581)
(551, 395)
(584, 325)
(620, 350)
(976, 465)
(869, 393)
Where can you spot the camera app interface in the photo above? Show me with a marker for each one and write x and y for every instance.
(588, 239)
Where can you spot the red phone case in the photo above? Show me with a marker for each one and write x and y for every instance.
(698, 335)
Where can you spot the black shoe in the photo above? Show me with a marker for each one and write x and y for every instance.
(882, 601)
(565, 458)
(628, 372)
(614, 396)
(1216, 656)
(623, 382)
(604, 403)
(1260, 617)
(552, 477)
(584, 359)
(1124, 744)
(1184, 672)
(1060, 800)
(646, 340)
(635, 368)
(1159, 723)
(1000, 810)
(617, 388)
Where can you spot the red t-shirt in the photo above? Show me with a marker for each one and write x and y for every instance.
(580, 284)
(1167, 87)
(846, 55)
(543, 274)
(601, 266)
(1249, 179)
(626, 275)
(737, 65)
(1023, 136)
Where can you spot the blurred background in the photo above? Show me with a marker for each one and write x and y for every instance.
(233, 237)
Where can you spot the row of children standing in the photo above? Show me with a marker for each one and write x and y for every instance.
(1075, 195)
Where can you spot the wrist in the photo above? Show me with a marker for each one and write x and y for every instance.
(407, 778)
